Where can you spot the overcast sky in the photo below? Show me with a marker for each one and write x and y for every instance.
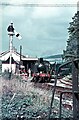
(43, 28)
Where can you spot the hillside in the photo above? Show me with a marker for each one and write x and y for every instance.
(53, 56)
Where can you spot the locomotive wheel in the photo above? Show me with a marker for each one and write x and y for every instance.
(48, 80)
(35, 79)
(40, 80)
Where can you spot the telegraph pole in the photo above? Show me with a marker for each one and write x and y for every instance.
(11, 33)
(20, 63)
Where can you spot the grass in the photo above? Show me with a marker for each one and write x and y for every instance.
(20, 98)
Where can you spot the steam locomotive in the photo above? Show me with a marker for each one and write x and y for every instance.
(41, 72)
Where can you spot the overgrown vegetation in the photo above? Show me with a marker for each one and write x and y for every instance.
(22, 99)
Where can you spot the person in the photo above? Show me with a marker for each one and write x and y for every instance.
(29, 71)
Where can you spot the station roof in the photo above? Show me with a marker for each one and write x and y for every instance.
(16, 56)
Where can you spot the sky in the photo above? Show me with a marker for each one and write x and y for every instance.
(43, 28)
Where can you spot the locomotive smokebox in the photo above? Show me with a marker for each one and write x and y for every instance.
(41, 66)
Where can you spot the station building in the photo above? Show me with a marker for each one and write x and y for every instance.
(25, 62)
